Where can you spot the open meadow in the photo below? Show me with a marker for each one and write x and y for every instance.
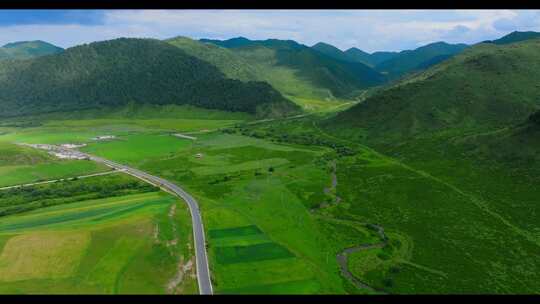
(281, 201)
(134, 240)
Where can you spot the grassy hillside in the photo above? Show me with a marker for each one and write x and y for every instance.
(454, 223)
(517, 144)
(28, 49)
(484, 87)
(229, 63)
(117, 72)
(516, 37)
(300, 71)
(412, 60)
(464, 135)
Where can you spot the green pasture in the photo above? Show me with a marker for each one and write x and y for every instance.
(99, 246)
(21, 165)
(251, 253)
(15, 175)
(135, 148)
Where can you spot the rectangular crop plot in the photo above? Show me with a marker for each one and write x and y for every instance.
(252, 253)
(97, 214)
(236, 231)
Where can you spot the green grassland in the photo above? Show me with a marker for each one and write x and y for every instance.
(136, 147)
(471, 229)
(459, 139)
(81, 126)
(22, 199)
(273, 228)
(21, 165)
(274, 188)
(249, 182)
(131, 243)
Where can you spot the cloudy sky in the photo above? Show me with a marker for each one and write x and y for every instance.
(369, 30)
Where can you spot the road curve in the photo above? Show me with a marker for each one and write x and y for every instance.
(203, 272)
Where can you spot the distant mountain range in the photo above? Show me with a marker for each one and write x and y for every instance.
(28, 49)
(354, 54)
(298, 70)
(264, 77)
(395, 64)
(421, 58)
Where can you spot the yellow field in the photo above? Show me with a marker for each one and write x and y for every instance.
(42, 255)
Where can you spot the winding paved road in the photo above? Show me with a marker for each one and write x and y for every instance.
(203, 272)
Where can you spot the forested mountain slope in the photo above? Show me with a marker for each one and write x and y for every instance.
(297, 70)
(120, 71)
(487, 86)
(28, 49)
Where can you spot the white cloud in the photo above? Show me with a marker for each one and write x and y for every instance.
(369, 30)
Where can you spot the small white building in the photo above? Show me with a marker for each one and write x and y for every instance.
(72, 146)
(198, 155)
(104, 137)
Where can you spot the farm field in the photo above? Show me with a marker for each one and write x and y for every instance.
(257, 199)
(254, 157)
(21, 165)
(137, 243)
(275, 223)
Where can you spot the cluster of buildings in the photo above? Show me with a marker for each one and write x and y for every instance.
(63, 151)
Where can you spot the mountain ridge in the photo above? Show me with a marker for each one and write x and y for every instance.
(116, 72)
(28, 49)
(300, 71)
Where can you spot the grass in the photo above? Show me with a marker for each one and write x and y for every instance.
(165, 124)
(21, 165)
(444, 218)
(138, 147)
(251, 253)
(96, 246)
(463, 227)
(24, 174)
(289, 287)
(42, 255)
(451, 231)
(232, 232)
(264, 164)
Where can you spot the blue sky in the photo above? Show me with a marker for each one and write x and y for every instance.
(369, 30)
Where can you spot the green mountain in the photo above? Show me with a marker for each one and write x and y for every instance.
(300, 71)
(379, 57)
(334, 52)
(358, 55)
(229, 43)
(372, 59)
(227, 61)
(28, 49)
(413, 60)
(122, 71)
(486, 87)
(354, 54)
(515, 37)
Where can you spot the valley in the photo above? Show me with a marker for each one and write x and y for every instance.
(271, 167)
